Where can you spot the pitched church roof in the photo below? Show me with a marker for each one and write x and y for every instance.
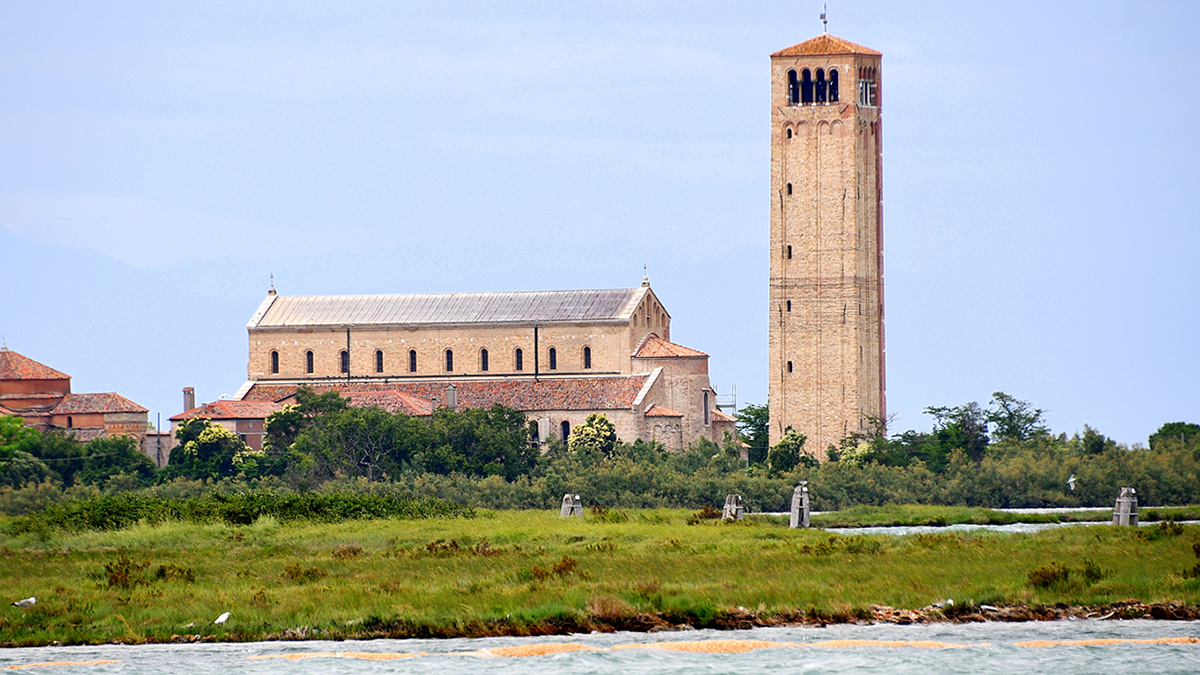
(613, 305)
(558, 393)
(826, 45)
(14, 366)
(106, 402)
(653, 347)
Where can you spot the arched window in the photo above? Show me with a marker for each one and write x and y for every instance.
(806, 87)
(820, 85)
(345, 358)
(789, 133)
(379, 360)
(789, 188)
(483, 360)
(789, 252)
(274, 362)
(554, 358)
(308, 361)
(587, 357)
(789, 366)
(789, 305)
(449, 361)
(707, 412)
(793, 89)
(70, 421)
(412, 360)
(833, 85)
(519, 359)
(566, 429)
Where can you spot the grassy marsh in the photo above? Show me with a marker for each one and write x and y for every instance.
(532, 572)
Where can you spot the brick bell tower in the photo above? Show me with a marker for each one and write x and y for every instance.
(826, 315)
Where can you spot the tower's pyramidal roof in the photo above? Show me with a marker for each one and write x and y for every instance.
(826, 45)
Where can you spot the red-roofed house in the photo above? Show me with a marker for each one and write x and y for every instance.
(42, 396)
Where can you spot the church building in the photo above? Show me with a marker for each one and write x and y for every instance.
(826, 342)
(557, 356)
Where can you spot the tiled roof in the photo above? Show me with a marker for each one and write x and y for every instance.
(31, 397)
(392, 401)
(448, 308)
(84, 434)
(657, 410)
(722, 416)
(654, 347)
(6, 411)
(108, 402)
(525, 394)
(14, 366)
(826, 45)
(230, 410)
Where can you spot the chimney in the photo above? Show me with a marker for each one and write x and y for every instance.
(189, 398)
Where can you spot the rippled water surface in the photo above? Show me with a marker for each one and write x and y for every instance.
(967, 648)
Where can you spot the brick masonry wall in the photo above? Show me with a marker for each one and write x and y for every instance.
(832, 335)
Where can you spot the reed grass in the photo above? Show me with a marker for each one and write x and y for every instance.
(533, 572)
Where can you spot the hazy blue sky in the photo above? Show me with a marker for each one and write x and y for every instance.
(158, 161)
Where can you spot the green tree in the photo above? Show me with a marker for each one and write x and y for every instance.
(109, 456)
(1184, 432)
(963, 427)
(753, 425)
(205, 451)
(1014, 420)
(789, 453)
(596, 437)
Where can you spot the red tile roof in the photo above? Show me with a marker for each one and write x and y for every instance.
(6, 411)
(108, 402)
(654, 347)
(826, 45)
(721, 416)
(565, 393)
(14, 366)
(392, 401)
(230, 410)
(657, 410)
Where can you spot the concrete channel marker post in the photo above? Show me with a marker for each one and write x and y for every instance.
(799, 517)
(1126, 512)
(733, 508)
(572, 505)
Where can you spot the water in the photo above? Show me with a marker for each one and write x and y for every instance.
(990, 648)
(1021, 528)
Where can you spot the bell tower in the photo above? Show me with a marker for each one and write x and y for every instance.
(826, 313)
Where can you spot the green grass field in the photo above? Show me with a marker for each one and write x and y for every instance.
(532, 572)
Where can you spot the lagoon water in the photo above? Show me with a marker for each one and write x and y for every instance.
(959, 648)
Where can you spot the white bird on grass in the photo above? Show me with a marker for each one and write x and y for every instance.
(27, 602)
(223, 618)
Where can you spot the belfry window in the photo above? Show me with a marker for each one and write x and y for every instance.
(345, 358)
(274, 363)
(821, 85)
(412, 360)
(806, 87)
(483, 360)
(587, 357)
(449, 361)
(554, 358)
(308, 361)
(519, 359)
(379, 360)
(833, 85)
(793, 91)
